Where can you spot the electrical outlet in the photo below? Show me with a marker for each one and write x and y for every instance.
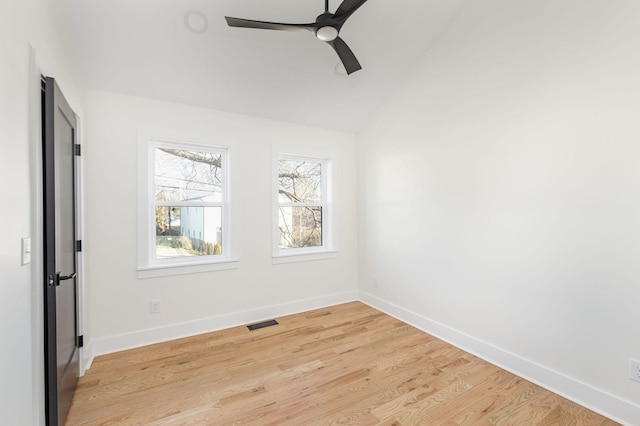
(154, 306)
(634, 370)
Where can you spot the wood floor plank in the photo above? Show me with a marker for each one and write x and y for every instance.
(347, 364)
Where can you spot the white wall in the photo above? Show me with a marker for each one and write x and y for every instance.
(24, 24)
(118, 309)
(500, 186)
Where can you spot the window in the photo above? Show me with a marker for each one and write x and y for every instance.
(184, 220)
(302, 216)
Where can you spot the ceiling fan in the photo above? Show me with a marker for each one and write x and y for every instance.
(326, 28)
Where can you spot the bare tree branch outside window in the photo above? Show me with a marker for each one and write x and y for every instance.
(188, 202)
(300, 201)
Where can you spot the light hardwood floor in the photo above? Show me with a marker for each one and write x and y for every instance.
(347, 364)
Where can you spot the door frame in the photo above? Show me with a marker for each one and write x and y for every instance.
(39, 67)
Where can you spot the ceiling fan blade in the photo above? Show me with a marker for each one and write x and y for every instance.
(347, 57)
(347, 8)
(248, 23)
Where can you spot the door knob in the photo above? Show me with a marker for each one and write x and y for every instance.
(64, 277)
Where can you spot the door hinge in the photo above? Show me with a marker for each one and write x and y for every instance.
(78, 245)
(77, 149)
(80, 341)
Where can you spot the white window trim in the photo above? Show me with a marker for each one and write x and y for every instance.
(329, 249)
(148, 266)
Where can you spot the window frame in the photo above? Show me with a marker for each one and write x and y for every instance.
(148, 265)
(328, 249)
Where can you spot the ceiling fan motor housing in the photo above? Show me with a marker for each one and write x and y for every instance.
(325, 30)
(327, 33)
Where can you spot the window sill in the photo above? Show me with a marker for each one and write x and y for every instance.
(280, 258)
(190, 268)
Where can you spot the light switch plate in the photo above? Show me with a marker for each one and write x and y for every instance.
(26, 251)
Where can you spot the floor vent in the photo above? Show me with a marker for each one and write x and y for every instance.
(262, 325)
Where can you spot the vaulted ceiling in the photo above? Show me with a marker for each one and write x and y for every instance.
(183, 51)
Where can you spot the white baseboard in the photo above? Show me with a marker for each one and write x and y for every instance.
(86, 357)
(137, 339)
(608, 405)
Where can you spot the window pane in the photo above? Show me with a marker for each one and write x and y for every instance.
(182, 175)
(188, 231)
(300, 227)
(299, 181)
